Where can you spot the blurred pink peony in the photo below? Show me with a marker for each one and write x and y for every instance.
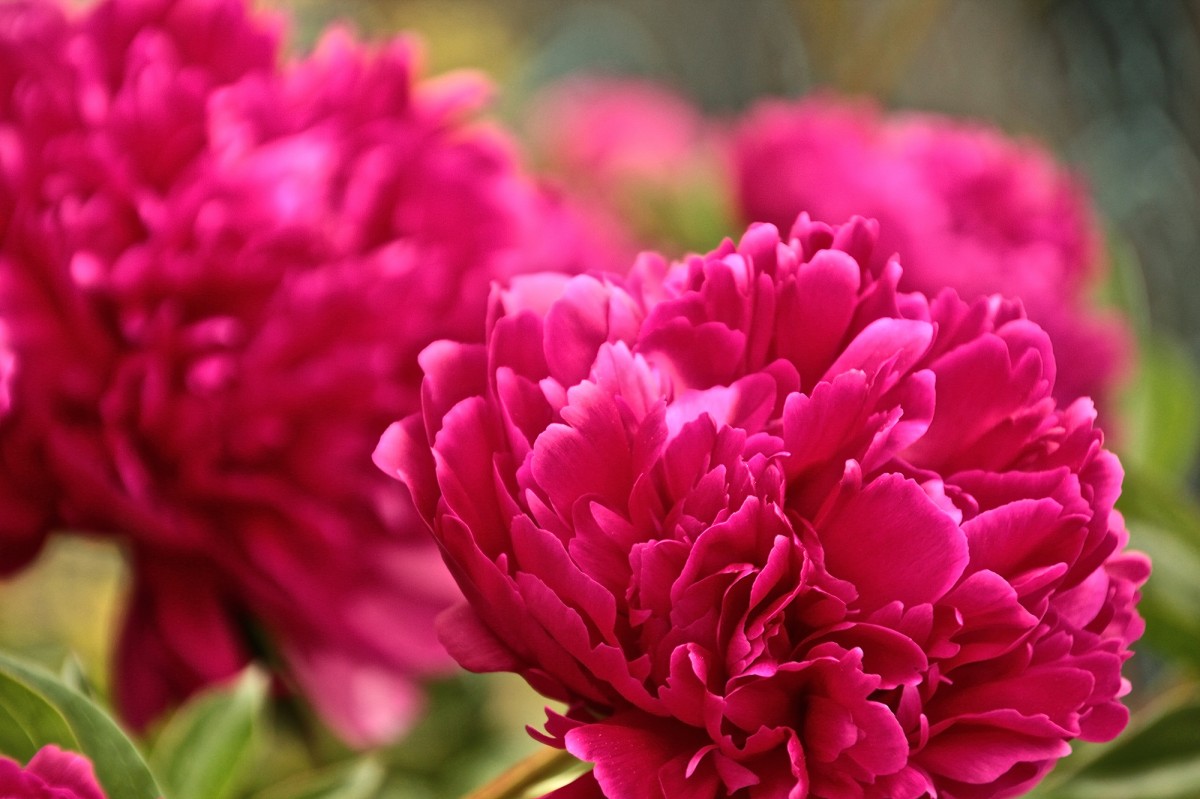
(773, 528)
(216, 273)
(50, 774)
(638, 156)
(965, 207)
(612, 131)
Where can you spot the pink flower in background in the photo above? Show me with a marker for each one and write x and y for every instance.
(771, 527)
(613, 131)
(216, 273)
(50, 774)
(637, 155)
(965, 206)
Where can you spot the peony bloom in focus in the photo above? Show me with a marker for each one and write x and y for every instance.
(772, 527)
(216, 273)
(965, 206)
(50, 774)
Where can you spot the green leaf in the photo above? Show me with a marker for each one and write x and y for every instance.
(74, 675)
(203, 751)
(15, 742)
(34, 715)
(1159, 761)
(1124, 285)
(1171, 597)
(1162, 418)
(1147, 498)
(358, 779)
(46, 711)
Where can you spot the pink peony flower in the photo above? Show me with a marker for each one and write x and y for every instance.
(773, 528)
(50, 774)
(217, 274)
(965, 206)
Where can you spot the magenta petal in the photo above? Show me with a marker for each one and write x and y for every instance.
(472, 644)
(576, 326)
(927, 551)
(66, 770)
(982, 755)
(815, 311)
(629, 749)
(896, 343)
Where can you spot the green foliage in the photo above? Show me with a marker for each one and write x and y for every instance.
(1164, 522)
(356, 779)
(1158, 759)
(37, 709)
(1161, 415)
(203, 751)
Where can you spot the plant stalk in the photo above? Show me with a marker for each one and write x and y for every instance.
(514, 783)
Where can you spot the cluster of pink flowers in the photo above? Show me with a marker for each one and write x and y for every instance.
(216, 272)
(966, 207)
(772, 527)
(784, 519)
(51, 774)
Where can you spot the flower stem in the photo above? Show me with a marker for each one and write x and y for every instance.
(513, 784)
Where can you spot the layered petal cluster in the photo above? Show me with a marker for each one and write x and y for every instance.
(216, 272)
(966, 206)
(773, 528)
(51, 774)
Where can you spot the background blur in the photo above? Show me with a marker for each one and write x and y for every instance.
(1111, 86)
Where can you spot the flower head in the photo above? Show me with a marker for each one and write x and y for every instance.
(967, 208)
(51, 774)
(773, 528)
(216, 273)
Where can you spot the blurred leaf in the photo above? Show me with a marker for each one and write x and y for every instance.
(14, 740)
(1124, 285)
(1164, 522)
(1162, 417)
(1171, 597)
(473, 731)
(46, 711)
(1148, 498)
(204, 749)
(701, 216)
(359, 779)
(74, 676)
(34, 714)
(1159, 761)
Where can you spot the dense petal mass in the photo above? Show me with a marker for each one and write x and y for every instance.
(773, 528)
(217, 271)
